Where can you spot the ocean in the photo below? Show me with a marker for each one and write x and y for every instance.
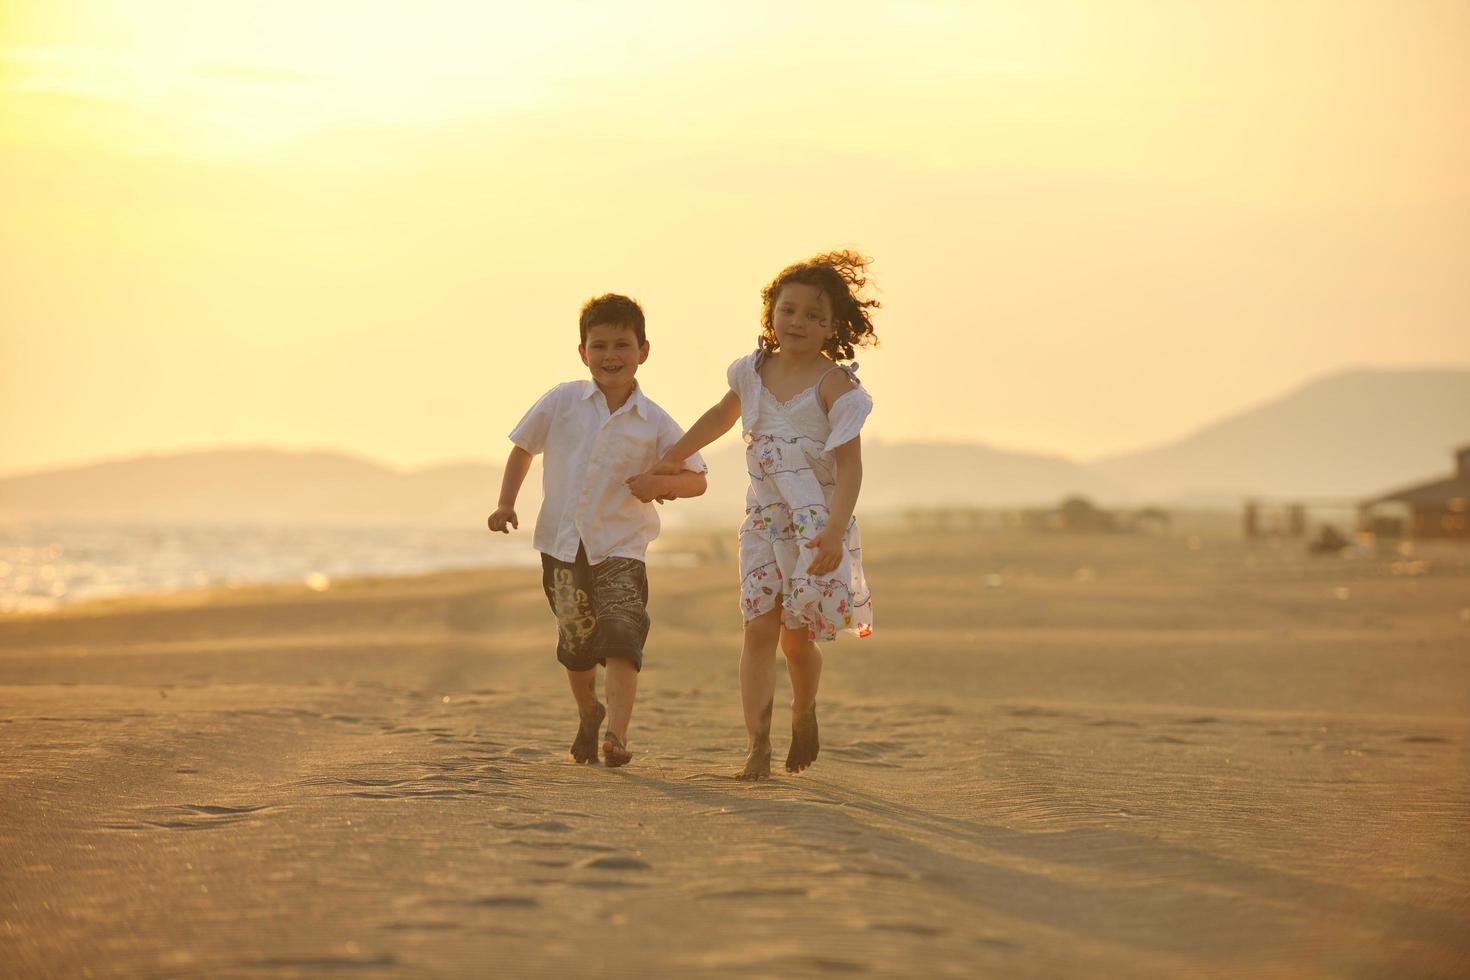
(46, 565)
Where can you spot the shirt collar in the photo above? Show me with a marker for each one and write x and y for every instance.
(636, 400)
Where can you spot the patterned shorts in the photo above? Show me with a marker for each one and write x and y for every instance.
(601, 610)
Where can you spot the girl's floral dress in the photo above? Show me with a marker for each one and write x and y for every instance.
(792, 478)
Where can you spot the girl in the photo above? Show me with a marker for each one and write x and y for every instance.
(801, 575)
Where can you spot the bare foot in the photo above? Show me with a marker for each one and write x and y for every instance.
(584, 746)
(614, 751)
(804, 743)
(757, 763)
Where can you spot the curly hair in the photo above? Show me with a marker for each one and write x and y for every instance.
(842, 276)
(612, 309)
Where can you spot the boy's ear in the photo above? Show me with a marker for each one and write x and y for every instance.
(582, 352)
(643, 352)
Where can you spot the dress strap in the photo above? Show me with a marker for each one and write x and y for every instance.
(849, 369)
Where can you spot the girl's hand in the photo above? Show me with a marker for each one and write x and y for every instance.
(666, 467)
(502, 517)
(647, 486)
(828, 545)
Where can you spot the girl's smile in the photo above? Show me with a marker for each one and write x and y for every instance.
(802, 319)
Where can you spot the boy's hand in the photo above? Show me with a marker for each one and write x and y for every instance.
(829, 551)
(502, 517)
(646, 487)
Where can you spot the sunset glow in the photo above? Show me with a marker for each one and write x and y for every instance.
(368, 226)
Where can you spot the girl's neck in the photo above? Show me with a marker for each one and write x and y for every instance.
(798, 362)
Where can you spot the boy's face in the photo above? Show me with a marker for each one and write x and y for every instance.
(613, 353)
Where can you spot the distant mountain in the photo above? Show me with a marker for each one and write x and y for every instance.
(1348, 435)
(322, 487)
(253, 485)
(899, 476)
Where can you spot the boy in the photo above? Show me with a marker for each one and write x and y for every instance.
(600, 437)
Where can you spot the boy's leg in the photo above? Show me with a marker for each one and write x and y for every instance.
(758, 689)
(622, 688)
(584, 689)
(590, 712)
(567, 586)
(620, 597)
(804, 663)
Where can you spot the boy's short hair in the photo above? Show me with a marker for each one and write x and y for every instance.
(615, 310)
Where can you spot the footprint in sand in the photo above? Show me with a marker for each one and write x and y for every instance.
(871, 753)
(549, 826)
(911, 928)
(747, 893)
(506, 902)
(610, 862)
(615, 862)
(1031, 711)
(189, 816)
(316, 963)
(421, 926)
(414, 794)
(559, 845)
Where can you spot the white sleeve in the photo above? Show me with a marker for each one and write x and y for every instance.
(530, 434)
(735, 374)
(847, 416)
(670, 433)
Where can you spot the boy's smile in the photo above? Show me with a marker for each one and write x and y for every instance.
(612, 353)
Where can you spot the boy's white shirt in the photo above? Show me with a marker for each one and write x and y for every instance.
(590, 453)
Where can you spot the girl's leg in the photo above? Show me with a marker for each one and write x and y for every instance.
(758, 689)
(804, 663)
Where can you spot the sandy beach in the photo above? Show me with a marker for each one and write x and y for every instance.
(1059, 756)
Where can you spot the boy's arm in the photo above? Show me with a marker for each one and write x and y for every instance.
(711, 425)
(517, 465)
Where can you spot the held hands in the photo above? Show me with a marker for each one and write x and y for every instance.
(647, 486)
(829, 551)
(502, 517)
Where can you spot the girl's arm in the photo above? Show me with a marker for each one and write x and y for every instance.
(516, 468)
(659, 486)
(711, 425)
(829, 543)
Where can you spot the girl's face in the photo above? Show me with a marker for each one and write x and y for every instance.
(802, 318)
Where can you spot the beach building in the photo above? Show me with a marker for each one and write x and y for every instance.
(1438, 509)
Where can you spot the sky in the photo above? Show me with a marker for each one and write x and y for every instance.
(368, 227)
